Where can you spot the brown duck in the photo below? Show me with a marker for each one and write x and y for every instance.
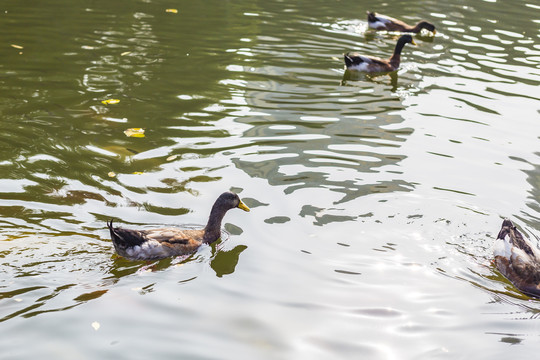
(165, 242)
(517, 259)
(383, 22)
(357, 62)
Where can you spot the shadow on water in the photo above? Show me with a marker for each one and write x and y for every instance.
(224, 262)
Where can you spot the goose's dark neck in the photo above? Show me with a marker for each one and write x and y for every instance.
(396, 57)
(212, 231)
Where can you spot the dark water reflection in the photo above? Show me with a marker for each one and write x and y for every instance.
(375, 199)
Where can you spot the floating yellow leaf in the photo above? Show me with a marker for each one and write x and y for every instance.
(172, 157)
(110, 101)
(174, 11)
(138, 173)
(125, 53)
(111, 174)
(134, 132)
(96, 325)
(17, 46)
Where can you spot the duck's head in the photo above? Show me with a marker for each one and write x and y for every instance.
(427, 25)
(230, 200)
(406, 39)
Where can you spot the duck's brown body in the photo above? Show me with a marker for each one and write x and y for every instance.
(383, 22)
(357, 62)
(517, 259)
(165, 242)
(155, 243)
(371, 64)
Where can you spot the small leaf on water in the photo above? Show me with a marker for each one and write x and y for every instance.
(172, 157)
(111, 174)
(96, 325)
(110, 101)
(138, 173)
(17, 299)
(174, 11)
(134, 132)
(125, 53)
(17, 46)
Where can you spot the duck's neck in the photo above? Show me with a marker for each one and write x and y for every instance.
(416, 28)
(212, 231)
(396, 57)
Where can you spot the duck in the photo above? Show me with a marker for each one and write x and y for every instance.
(383, 22)
(355, 61)
(517, 259)
(167, 242)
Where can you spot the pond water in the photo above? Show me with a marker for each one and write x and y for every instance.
(375, 199)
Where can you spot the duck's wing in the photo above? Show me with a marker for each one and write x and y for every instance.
(355, 61)
(524, 272)
(173, 236)
(171, 241)
(524, 258)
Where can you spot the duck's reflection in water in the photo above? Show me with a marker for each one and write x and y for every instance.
(379, 78)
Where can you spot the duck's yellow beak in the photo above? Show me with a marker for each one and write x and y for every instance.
(242, 206)
(412, 42)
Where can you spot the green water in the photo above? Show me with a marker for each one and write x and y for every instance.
(375, 200)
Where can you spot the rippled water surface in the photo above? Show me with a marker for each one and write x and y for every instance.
(375, 199)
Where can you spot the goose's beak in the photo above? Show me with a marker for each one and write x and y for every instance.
(242, 206)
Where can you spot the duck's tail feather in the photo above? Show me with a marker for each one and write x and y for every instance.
(348, 60)
(110, 226)
(371, 17)
(516, 238)
(505, 228)
(124, 238)
(352, 59)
